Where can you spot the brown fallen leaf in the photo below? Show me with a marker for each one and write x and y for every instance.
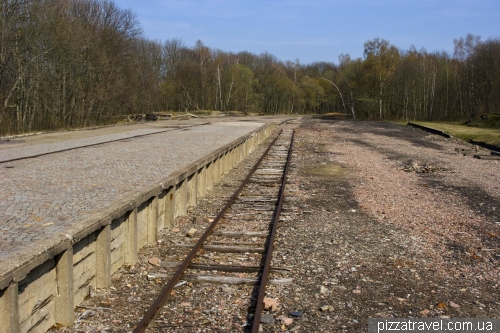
(286, 321)
(425, 312)
(271, 303)
(441, 305)
(191, 232)
(154, 261)
(327, 308)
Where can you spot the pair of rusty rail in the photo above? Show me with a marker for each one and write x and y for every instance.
(167, 289)
(267, 265)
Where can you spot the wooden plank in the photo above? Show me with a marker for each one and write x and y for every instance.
(271, 170)
(236, 268)
(266, 179)
(227, 249)
(266, 176)
(459, 150)
(272, 165)
(239, 233)
(267, 173)
(260, 214)
(487, 157)
(469, 153)
(255, 207)
(255, 199)
(233, 243)
(222, 268)
(232, 280)
(269, 181)
(98, 308)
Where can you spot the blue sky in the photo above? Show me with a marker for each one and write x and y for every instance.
(316, 30)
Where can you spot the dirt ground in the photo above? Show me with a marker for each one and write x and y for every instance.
(381, 220)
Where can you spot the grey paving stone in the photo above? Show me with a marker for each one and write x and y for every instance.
(45, 195)
(47, 148)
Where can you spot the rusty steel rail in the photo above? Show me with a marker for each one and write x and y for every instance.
(160, 301)
(269, 253)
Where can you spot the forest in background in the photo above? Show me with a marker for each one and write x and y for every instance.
(80, 63)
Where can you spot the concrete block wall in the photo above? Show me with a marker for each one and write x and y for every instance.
(36, 298)
(84, 267)
(44, 289)
(118, 242)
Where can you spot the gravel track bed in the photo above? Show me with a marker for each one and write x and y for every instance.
(380, 220)
(379, 236)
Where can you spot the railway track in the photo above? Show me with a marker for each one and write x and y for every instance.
(234, 251)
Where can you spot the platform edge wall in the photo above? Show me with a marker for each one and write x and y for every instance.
(40, 289)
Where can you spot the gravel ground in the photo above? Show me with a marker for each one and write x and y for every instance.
(381, 220)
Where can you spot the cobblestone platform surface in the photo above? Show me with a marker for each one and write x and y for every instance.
(7, 155)
(43, 196)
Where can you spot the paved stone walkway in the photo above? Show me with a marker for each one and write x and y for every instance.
(44, 195)
(7, 155)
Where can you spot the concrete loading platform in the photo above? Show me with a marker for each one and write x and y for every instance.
(70, 217)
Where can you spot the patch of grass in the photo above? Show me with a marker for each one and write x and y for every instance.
(329, 171)
(487, 135)
(336, 114)
(485, 121)
(332, 115)
(398, 122)
(321, 148)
